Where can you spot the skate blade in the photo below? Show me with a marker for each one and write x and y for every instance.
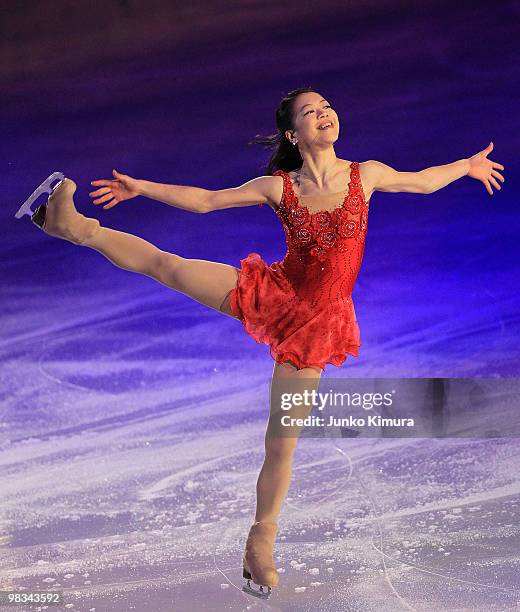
(260, 593)
(45, 187)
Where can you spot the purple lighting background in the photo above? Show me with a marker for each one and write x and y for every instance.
(132, 418)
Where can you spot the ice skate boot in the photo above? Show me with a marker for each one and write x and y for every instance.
(59, 217)
(258, 559)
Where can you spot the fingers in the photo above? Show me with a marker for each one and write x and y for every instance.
(498, 175)
(494, 182)
(497, 165)
(99, 192)
(105, 198)
(486, 183)
(106, 193)
(103, 182)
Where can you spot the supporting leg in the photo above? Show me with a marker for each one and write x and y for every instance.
(274, 479)
(276, 473)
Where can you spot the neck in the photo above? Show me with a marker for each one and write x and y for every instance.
(319, 166)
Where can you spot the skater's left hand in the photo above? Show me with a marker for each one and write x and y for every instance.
(122, 187)
(484, 169)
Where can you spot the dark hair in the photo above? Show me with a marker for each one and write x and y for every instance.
(286, 156)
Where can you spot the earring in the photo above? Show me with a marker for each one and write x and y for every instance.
(294, 142)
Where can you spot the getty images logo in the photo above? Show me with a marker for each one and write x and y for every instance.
(367, 401)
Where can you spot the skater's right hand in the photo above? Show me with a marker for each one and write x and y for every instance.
(123, 187)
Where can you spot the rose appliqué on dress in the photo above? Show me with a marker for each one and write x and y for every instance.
(348, 228)
(326, 239)
(354, 203)
(299, 216)
(322, 220)
(304, 235)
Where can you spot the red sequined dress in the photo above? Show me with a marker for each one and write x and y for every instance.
(302, 306)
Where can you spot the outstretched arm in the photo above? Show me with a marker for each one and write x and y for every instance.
(385, 178)
(186, 197)
(195, 199)
(259, 190)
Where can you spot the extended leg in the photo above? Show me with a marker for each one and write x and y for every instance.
(206, 282)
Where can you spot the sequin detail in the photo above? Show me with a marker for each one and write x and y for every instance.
(302, 306)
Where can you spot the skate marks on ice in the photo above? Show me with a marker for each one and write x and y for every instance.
(388, 578)
(163, 500)
(461, 533)
(439, 550)
(73, 470)
(130, 472)
(309, 578)
(131, 363)
(182, 477)
(325, 457)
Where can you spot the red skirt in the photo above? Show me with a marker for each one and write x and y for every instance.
(271, 313)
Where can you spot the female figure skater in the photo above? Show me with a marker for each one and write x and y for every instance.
(301, 306)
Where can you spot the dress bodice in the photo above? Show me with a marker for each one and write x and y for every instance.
(325, 245)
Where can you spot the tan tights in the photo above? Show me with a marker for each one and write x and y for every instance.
(210, 283)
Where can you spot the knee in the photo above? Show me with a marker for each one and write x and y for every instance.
(166, 267)
(280, 449)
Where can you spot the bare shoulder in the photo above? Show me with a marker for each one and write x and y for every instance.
(260, 190)
(274, 191)
(270, 188)
(368, 173)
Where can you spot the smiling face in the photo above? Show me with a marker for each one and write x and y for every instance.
(311, 113)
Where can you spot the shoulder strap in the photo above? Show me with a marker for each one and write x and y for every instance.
(355, 176)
